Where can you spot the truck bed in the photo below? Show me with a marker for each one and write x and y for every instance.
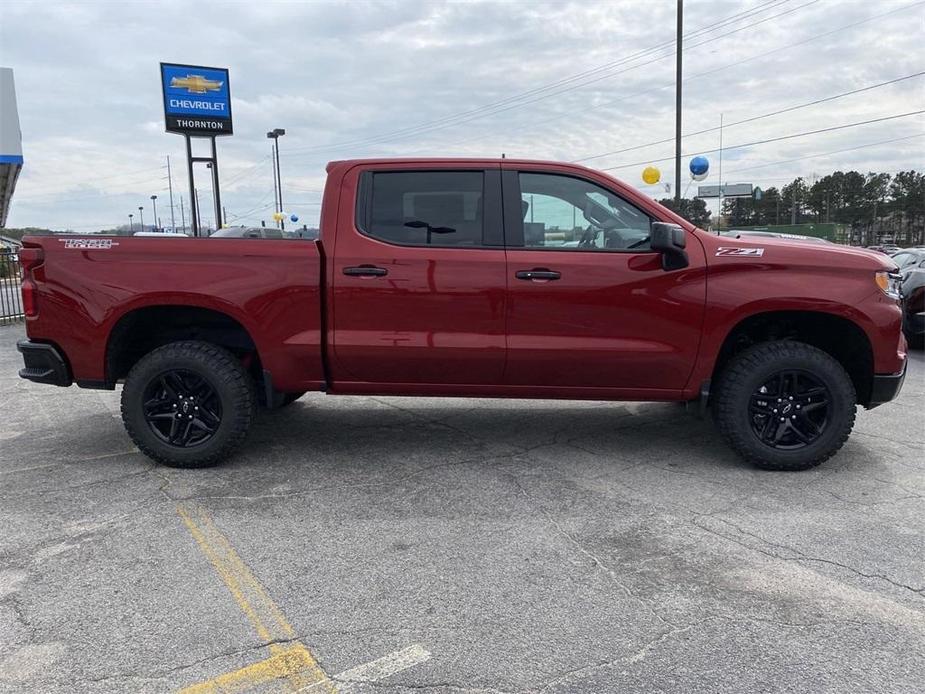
(88, 287)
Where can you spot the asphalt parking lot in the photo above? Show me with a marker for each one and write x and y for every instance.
(398, 545)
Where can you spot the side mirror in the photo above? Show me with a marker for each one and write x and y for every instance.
(670, 241)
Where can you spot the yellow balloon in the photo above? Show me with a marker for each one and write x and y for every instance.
(651, 175)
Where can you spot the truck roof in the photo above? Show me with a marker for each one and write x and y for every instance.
(450, 160)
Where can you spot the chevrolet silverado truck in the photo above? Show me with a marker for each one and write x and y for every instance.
(470, 278)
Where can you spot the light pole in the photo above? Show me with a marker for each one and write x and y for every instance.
(131, 224)
(154, 204)
(274, 135)
(141, 214)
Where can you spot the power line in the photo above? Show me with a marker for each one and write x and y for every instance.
(754, 118)
(810, 39)
(490, 109)
(772, 139)
(825, 154)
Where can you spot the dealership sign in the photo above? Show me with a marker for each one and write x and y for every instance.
(729, 190)
(197, 100)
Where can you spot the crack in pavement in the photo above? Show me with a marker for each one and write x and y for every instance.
(593, 557)
(798, 555)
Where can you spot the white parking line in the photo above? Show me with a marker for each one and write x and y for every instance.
(379, 669)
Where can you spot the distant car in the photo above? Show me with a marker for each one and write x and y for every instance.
(744, 233)
(911, 262)
(167, 234)
(264, 233)
(888, 249)
(248, 233)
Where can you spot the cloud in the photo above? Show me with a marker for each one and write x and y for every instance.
(416, 78)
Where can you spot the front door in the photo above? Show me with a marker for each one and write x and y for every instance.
(419, 277)
(589, 304)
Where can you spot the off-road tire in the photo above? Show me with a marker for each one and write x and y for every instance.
(747, 371)
(222, 371)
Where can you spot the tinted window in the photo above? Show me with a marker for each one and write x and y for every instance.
(420, 208)
(565, 213)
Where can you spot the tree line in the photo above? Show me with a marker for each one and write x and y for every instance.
(876, 207)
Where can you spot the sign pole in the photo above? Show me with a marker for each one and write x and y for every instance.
(173, 221)
(217, 196)
(194, 212)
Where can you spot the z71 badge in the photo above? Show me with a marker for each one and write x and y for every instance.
(751, 252)
(89, 244)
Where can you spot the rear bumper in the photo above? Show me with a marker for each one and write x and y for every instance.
(43, 364)
(886, 387)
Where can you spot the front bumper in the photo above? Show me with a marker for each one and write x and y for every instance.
(43, 364)
(886, 387)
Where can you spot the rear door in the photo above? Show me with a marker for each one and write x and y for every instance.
(419, 276)
(589, 304)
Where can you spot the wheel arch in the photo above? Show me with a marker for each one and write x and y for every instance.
(141, 329)
(837, 335)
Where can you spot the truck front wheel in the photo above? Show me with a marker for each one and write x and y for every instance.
(785, 405)
(188, 404)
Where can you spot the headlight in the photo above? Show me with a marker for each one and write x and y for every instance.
(890, 283)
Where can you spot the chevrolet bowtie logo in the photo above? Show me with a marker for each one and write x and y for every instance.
(196, 84)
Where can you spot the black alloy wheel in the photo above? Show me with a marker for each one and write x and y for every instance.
(790, 410)
(784, 405)
(188, 404)
(182, 408)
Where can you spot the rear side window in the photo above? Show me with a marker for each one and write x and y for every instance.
(423, 208)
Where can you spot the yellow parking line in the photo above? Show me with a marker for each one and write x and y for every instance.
(293, 662)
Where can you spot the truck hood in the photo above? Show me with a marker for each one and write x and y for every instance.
(773, 251)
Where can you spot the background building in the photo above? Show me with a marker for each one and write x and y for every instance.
(10, 142)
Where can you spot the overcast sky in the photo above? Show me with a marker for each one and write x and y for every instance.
(450, 78)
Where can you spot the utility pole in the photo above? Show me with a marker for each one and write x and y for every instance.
(154, 204)
(173, 221)
(141, 213)
(719, 209)
(131, 224)
(182, 215)
(793, 205)
(677, 110)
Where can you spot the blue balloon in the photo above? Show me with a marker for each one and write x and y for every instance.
(699, 166)
(294, 218)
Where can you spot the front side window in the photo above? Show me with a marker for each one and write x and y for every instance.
(425, 208)
(566, 213)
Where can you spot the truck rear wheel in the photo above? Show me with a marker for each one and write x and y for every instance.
(785, 405)
(188, 404)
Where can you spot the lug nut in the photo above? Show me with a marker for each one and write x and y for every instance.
(782, 419)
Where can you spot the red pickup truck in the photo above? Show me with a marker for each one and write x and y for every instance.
(473, 278)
